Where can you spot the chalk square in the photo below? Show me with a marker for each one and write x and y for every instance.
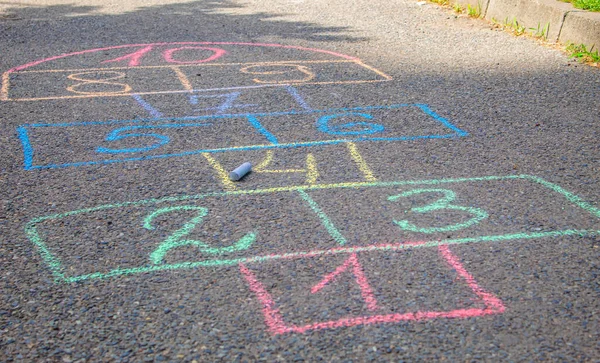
(90, 83)
(460, 210)
(397, 122)
(488, 303)
(108, 142)
(128, 238)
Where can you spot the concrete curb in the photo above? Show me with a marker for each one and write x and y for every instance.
(558, 21)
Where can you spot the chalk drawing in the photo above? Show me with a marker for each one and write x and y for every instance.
(255, 122)
(311, 170)
(197, 69)
(216, 54)
(270, 73)
(221, 172)
(137, 53)
(269, 137)
(333, 231)
(366, 128)
(156, 80)
(118, 134)
(308, 75)
(361, 280)
(362, 164)
(133, 58)
(440, 204)
(228, 103)
(93, 81)
(176, 239)
(276, 324)
(185, 81)
(58, 271)
(298, 98)
(154, 113)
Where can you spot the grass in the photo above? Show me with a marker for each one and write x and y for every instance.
(474, 11)
(540, 32)
(591, 5)
(514, 26)
(582, 54)
(457, 8)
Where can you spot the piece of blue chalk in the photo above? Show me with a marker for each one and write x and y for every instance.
(240, 171)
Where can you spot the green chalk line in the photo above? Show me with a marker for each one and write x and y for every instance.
(52, 261)
(570, 196)
(335, 251)
(334, 232)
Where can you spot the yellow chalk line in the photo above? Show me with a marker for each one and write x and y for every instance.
(183, 78)
(178, 91)
(360, 162)
(312, 174)
(221, 172)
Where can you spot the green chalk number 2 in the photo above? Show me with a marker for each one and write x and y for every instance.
(177, 238)
(443, 203)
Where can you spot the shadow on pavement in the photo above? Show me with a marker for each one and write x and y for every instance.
(196, 21)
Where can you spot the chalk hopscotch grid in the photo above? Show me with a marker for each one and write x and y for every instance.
(29, 151)
(187, 87)
(55, 266)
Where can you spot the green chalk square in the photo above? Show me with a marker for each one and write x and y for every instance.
(438, 210)
(150, 234)
(304, 197)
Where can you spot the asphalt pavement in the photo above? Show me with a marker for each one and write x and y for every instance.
(425, 186)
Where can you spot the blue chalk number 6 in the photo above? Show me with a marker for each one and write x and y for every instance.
(118, 134)
(351, 128)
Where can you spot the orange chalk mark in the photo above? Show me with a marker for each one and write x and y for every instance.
(309, 75)
(185, 81)
(5, 86)
(388, 78)
(87, 81)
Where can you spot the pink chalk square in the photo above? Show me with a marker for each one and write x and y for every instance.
(350, 268)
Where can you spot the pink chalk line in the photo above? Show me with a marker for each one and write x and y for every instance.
(361, 280)
(135, 57)
(271, 313)
(34, 63)
(489, 299)
(276, 325)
